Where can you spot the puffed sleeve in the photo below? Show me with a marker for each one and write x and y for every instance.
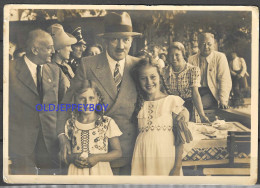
(195, 77)
(176, 103)
(113, 130)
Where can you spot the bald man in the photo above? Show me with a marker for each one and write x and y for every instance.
(216, 81)
(33, 142)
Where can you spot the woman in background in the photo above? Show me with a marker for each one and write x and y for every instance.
(183, 79)
(62, 45)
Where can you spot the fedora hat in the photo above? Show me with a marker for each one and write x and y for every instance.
(118, 24)
(60, 37)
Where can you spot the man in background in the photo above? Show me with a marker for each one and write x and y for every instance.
(216, 81)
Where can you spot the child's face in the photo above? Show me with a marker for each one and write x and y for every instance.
(88, 97)
(149, 80)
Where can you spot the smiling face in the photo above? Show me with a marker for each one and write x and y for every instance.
(44, 50)
(149, 80)
(118, 48)
(78, 49)
(206, 45)
(87, 97)
(176, 57)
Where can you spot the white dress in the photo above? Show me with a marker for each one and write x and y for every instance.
(154, 152)
(91, 139)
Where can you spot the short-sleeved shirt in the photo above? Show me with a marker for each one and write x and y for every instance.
(91, 138)
(181, 83)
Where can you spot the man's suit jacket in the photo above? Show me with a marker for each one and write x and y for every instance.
(120, 107)
(218, 75)
(24, 120)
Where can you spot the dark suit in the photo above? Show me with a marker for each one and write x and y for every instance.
(26, 124)
(120, 107)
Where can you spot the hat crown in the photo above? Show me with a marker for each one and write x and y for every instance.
(55, 30)
(118, 25)
(114, 18)
(60, 37)
(78, 35)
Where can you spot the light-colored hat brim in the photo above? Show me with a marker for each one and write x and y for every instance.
(64, 40)
(119, 34)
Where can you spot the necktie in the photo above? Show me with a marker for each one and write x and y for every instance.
(39, 82)
(65, 71)
(117, 77)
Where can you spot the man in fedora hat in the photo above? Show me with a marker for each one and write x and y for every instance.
(111, 71)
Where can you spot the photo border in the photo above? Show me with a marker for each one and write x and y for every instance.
(63, 179)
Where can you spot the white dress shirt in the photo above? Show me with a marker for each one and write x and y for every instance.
(32, 68)
(112, 64)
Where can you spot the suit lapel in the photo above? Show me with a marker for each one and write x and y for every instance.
(103, 74)
(125, 80)
(25, 76)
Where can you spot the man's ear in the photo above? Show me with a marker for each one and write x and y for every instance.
(35, 50)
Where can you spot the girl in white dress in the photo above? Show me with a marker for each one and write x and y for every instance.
(89, 133)
(155, 152)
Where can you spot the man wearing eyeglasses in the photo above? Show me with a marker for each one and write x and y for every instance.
(216, 81)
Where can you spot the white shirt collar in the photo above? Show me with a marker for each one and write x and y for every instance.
(32, 68)
(210, 56)
(112, 64)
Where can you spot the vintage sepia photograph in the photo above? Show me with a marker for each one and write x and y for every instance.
(109, 94)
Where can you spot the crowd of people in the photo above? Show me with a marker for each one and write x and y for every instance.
(134, 136)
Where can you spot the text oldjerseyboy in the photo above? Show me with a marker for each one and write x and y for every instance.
(66, 107)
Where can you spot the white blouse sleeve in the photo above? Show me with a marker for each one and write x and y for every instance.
(176, 104)
(113, 130)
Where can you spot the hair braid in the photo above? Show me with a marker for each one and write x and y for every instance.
(165, 87)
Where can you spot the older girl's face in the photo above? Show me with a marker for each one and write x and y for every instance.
(65, 52)
(87, 98)
(176, 57)
(149, 79)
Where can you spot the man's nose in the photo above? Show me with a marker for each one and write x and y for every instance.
(120, 43)
(52, 50)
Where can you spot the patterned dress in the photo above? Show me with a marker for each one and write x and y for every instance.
(91, 139)
(154, 152)
(181, 83)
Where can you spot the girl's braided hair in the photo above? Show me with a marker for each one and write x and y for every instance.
(141, 95)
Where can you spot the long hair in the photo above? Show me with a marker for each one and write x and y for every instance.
(82, 86)
(141, 95)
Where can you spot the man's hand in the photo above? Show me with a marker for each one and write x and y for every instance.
(223, 106)
(65, 148)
